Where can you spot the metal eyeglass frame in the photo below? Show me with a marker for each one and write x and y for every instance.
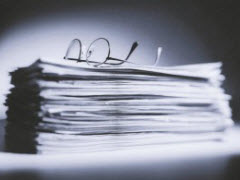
(96, 64)
(88, 54)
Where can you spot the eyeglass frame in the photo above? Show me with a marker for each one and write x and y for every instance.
(134, 46)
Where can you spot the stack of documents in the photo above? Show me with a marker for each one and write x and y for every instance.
(62, 107)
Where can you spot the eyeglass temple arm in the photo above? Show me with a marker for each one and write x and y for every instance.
(134, 46)
(159, 51)
(69, 49)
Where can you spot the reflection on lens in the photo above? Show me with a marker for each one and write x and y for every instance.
(98, 52)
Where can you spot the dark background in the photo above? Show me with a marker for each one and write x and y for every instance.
(188, 31)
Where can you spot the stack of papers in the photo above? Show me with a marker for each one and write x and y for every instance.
(72, 107)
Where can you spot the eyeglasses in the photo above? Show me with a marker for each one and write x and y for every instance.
(98, 53)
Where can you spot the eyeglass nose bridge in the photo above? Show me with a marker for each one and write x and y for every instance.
(74, 41)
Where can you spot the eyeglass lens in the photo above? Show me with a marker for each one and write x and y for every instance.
(98, 52)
